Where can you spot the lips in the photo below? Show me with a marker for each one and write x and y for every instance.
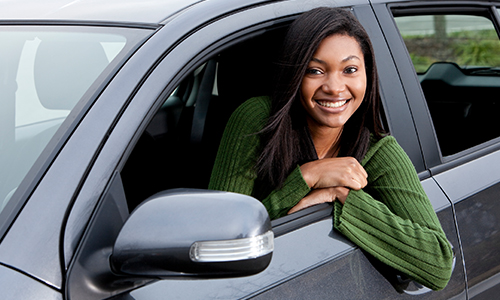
(332, 104)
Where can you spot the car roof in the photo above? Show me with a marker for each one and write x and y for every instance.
(420, 2)
(121, 11)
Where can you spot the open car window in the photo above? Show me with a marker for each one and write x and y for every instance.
(183, 137)
(183, 149)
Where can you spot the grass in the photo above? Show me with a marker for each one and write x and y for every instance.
(466, 48)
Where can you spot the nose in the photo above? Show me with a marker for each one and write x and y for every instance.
(333, 84)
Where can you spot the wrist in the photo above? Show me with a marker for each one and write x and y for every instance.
(308, 175)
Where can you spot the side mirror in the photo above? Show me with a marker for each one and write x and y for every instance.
(186, 232)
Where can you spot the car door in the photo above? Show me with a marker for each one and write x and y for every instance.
(454, 50)
(310, 259)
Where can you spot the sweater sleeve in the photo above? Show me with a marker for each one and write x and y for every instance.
(238, 152)
(400, 228)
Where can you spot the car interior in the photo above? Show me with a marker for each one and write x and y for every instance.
(464, 106)
(183, 137)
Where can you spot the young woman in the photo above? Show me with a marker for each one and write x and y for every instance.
(319, 139)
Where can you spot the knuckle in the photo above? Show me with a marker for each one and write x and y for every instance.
(352, 161)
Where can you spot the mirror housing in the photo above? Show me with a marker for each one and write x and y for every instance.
(186, 232)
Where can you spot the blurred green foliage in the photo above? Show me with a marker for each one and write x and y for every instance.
(478, 48)
(466, 48)
(421, 63)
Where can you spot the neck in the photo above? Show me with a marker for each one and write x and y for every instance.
(326, 140)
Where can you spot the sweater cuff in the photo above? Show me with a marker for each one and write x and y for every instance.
(293, 190)
(338, 208)
(296, 179)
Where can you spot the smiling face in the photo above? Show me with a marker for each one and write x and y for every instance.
(334, 84)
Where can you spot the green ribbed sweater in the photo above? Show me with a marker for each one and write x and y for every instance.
(391, 218)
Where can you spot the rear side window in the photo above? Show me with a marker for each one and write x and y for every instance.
(457, 62)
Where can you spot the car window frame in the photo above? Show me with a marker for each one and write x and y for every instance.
(316, 213)
(287, 223)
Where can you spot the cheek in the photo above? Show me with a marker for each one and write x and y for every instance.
(359, 88)
(307, 88)
(304, 90)
(360, 95)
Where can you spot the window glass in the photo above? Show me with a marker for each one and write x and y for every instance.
(457, 62)
(44, 72)
(469, 41)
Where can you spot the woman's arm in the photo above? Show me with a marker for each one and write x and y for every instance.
(393, 220)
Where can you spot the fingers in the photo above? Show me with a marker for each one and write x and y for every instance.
(355, 182)
(296, 208)
(314, 197)
(356, 177)
(321, 196)
(353, 175)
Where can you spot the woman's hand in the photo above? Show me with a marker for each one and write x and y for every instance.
(321, 196)
(334, 172)
(331, 179)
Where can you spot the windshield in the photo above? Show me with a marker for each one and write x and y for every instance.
(44, 72)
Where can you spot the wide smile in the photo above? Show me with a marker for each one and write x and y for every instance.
(332, 104)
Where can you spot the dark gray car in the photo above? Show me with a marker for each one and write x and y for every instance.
(111, 113)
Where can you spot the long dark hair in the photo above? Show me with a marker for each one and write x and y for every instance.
(286, 139)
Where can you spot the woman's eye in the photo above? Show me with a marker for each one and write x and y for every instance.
(350, 70)
(313, 71)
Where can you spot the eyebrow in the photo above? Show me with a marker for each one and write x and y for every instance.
(350, 57)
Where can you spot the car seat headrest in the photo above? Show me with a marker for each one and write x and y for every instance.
(64, 70)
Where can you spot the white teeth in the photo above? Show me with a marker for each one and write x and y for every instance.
(331, 104)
